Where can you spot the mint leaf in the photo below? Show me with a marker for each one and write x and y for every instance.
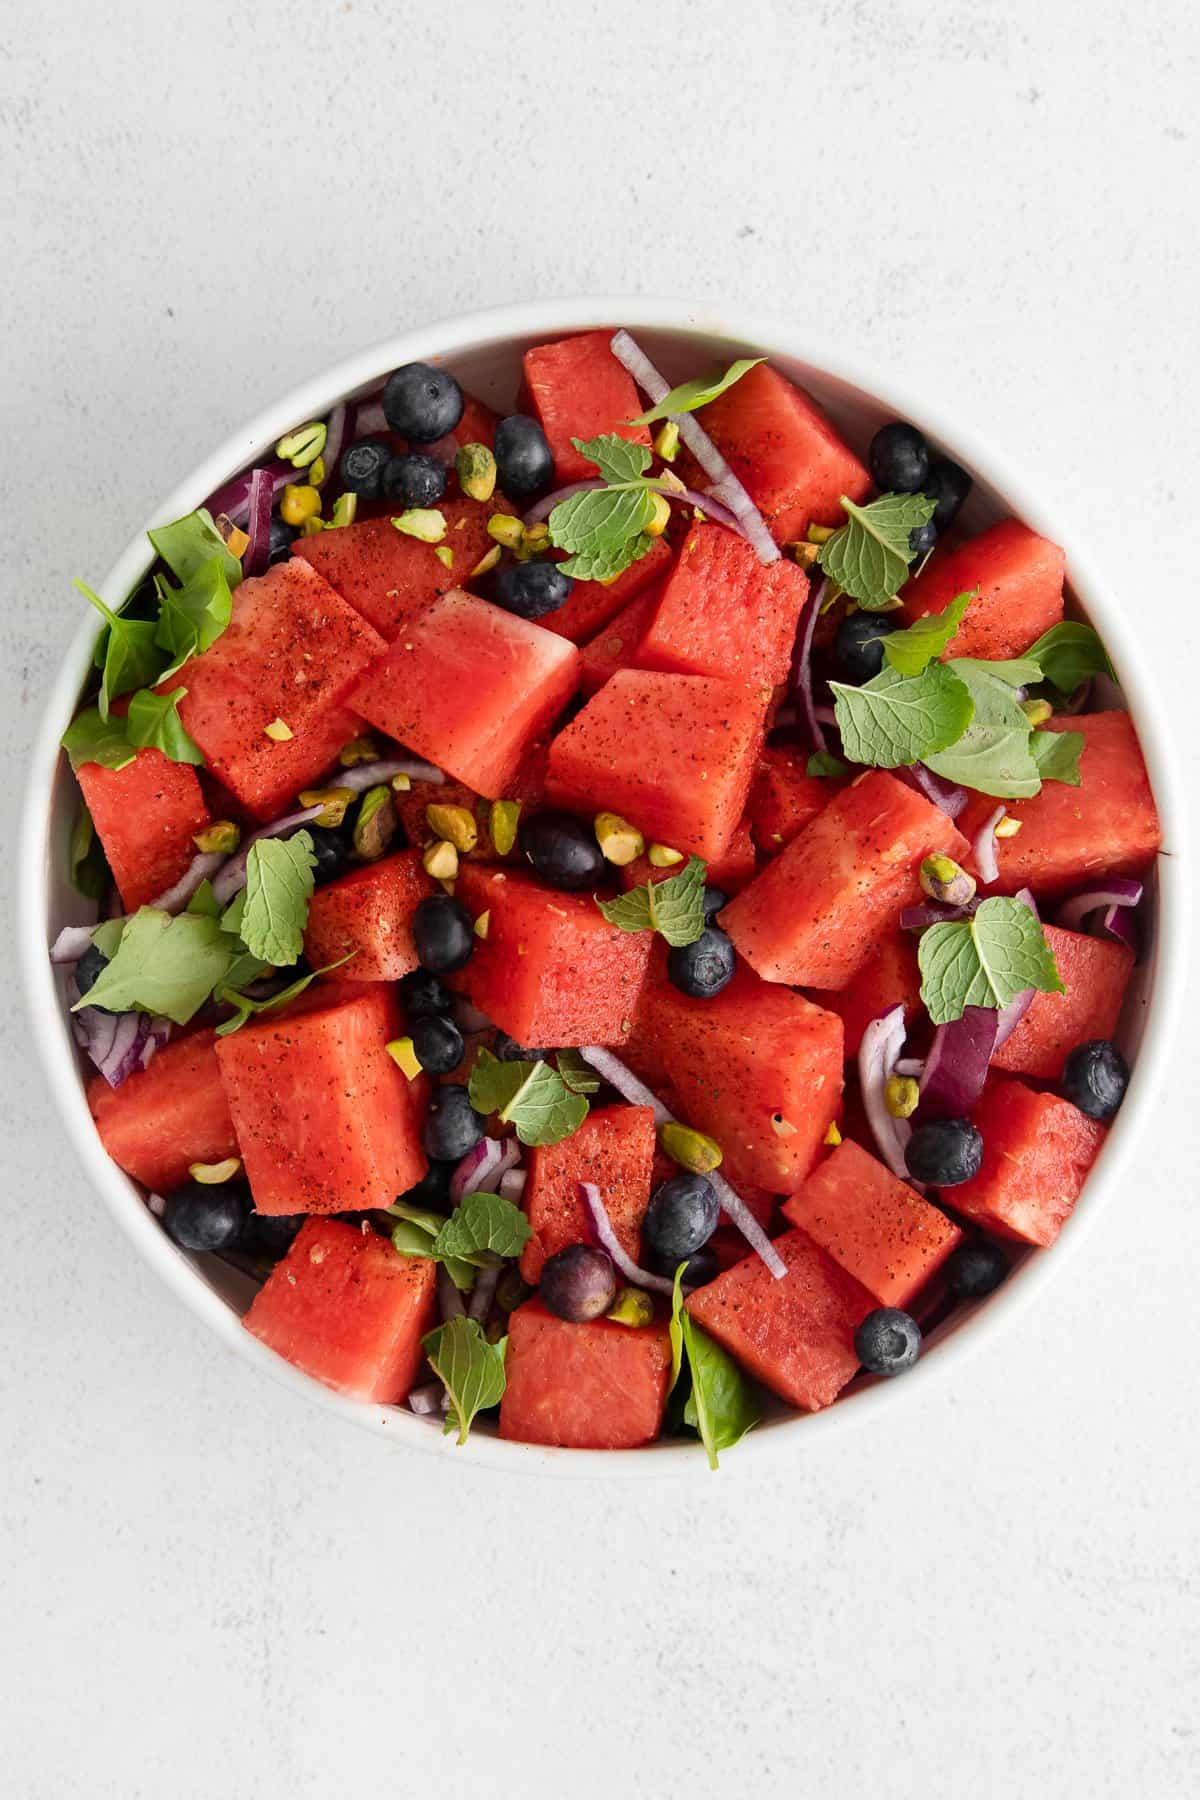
(153, 722)
(1014, 671)
(107, 936)
(192, 617)
(131, 657)
(869, 555)
(279, 885)
(912, 649)
(245, 1008)
(1068, 654)
(92, 738)
(690, 395)
(825, 764)
(896, 719)
(89, 866)
(204, 901)
(483, 1223)
(722, 1405)
(674, 908)
(618, 461)
(1057, 754)
(186, 544)
(470, 1369)
(579, 1075)
(530, 1096)
(604, 530)
(162, 965)
(414, 1236)
(992, 756)
(986, 960)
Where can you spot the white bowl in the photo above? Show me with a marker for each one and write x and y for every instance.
(483, 351)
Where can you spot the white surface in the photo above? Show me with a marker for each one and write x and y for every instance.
(210, 1589)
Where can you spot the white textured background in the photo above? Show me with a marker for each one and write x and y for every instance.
(209, 1589)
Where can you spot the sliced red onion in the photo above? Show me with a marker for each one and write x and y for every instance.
(1120, 924)
(113, 1041)
(443, 450)
(484, 1292)
(369, 417)
(234, 498)
(878, 1054)
(935, 912)
(372, 774)
(468, 1018)
(983, 847)
(801, 677)
(1078, 701)
(71, 943)
(258, 523)
(957, 1065)
(477, 1168)
(335, 439)
(230, 879)
(450, 1302)
(913, 1066)
(426, 1400)
(1106, 694)
(512, 1185)
(945, 794)
(1117, 890)
(739, 1214)
(158, 1036)
(607, 1238)
(202, 867)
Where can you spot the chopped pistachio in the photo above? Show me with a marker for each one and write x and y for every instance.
(661, 517)
(483, 924)
(302, 446)
(221, 838)
(236, 540)
(298, 504)
(441, 860)
(279, 731)
(487, 561)
(1037, 711)
(312, 525)
(376, 824)
(632, 1306)
(804, 554)
(506, 530)
(663, 857)
(213, 1174)
(621, 842)
(819, 534)
(316, 473)
(345, 510)
(535, 540)
(1008, 827)
(401, 784)
(666, 441)
(454, 822)
(833, 1136)
(424, 522)
(502, 825)
(902, 1096)
(358, 750)
(943, 879)
(512, 1290)
(445, 555)
(476, 469)
(404, 1056)
(693, 1150)
(333, 802)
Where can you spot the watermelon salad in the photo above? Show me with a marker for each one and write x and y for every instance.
(615, 917)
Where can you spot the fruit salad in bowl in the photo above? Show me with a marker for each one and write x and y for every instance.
(614, 894)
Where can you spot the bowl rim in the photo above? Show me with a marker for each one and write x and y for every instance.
(444, 340)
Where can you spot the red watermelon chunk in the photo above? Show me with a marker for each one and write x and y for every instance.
(673, 754)
(875, 1226)
(891, 977)
(146, 816)
(326, 1121)
(1037, 1150)
(1096, 972)
(579, 389)
(797, 1334)
(551, 970)
(170, 1115)
(593, 603)
(616, 646)
(614, 1148)
(1072, 836)
(1020, 580)
(785, 453)
(784, 798)
(344, 1308)
(819, 910)
(367, 915)
(471, 688)
(730, 872)
(599, 1386)
(725, 613)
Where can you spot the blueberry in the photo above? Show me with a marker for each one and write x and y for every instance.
(702, 1266)
(361, 468)
(432, 1192)
(858, 645)
(452, 1126)
(974, 1270)
(331, 851)
(444, 934)
(507, 1049)
(681, 1216)
(702, 969)
(524, 464)
(888, 1341)
(270, 1235)
(949, 486)
(898, 459)
(414, 480)
(1095, 1077)
(200, 1217)
(422, 403)
(425, 996)
(578, 1283)
(922, 538)
(562, 851)
(280, 541)
(532, 589)
(945, 1152)
(89, 969)
(714, 899)
(438, 1044)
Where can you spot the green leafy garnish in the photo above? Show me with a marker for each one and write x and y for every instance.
(163, 965)
(186, 544)
(89, 865)
(604, 529)
(869, 555)
(1014, 671)
(579, 1075)
(992, 755)
(470, 1369)
(153, 721)
(689, 396)
(986, 960)
(531, 1096)
(722, 1405)
(204, 901)
(483, 1225)
(825, 764)
(415, 1235)
(192, 617)
(1057, 754)
(245, 1008)
(912, 649)
(896, 719)
(131, 657)
(279, 885)
(1068, 654)
(91, 738)
(674, 907)
(107, 936)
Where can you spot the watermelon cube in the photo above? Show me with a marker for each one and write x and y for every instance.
(820, 909)
(325, 1120)
(796, 1334)
(785, 453)
(873, 1225)
(1020, 580)
(599, 1386)
(784, 798)
(614, 1148)
(616, 646)
(723, 612)
(592, 604)
(579, 389)
(145, 815)
(551, 970)
(1096, 972)
(1072, 836)
(729, 872)
(1037, 1150)
(344, 1308)
(470, 687)
(890, 977)
(367, 915)
(170, 1115)
(673, 754)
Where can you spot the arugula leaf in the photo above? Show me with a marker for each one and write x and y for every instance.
(131, 657)
(895, 719)
(869, 555)
(89, 865)
(483, 1223)
(92, 738)
(986, 960)
(245, 1008)
(279, 885)
(163, 965)
(912, 649)
(689, 396)
(604, 530)
(992, 755)
(153, 721)
(530, 1096)
(186, 544)
(1068, 654)
(619, 461)
(674, 907)
(192, 617)
(470, 1369)
(825, 764)
(1057, 754)
(579, 1075)
(722, 1405)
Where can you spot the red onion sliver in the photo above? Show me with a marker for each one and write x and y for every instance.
(201, 868)
(230, 879)
(512, 1185)
(365, 775)
(258, 523)
(1119, 923)
(484, 1292)
(910, 1065)
(468, 1018)
(369, 417)
(945, 794)
(878, 1054)
(739, 1214)
(335, 440)
(71, 943)
(426, 1400)
(935, 912)
(957, 1065)
(1118, 890)
(234, 498)
(477, 1169)
(801, 678)
(450, 1303)
(983, 848)
(608, 1240)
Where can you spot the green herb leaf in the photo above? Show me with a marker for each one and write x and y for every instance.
(674, 907)
(107, 936)
(483, 1223)
(1057, 754)
(911, 650)
(153, 722)
(470, 1369)
(618, 461)
(986, 960)
(579, 1075)
(410, 1239)
(992, 755)
(869, 555)
(91, 738)
(163, 965)
(186, 544)
(690, 395)
(530, 1096)
(825, 764)
(131, 657)
(414, 1236)
(604, 530)
(1068, 654)
(245, 1008)
(722, 1405)
(192, 617)
(204, 902)
(89, 865)
(279, 885)
(1014, 671)
(895, 719)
